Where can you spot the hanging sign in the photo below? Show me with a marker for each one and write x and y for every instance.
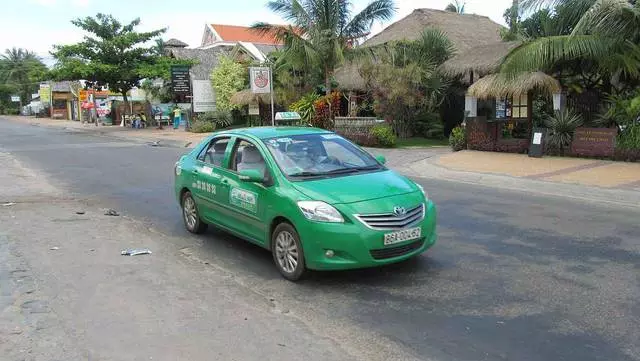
(260, 80)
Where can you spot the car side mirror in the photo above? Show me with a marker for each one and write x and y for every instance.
(381, 159)
(251, 175)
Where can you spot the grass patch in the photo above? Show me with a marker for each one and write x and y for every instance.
(421, 142)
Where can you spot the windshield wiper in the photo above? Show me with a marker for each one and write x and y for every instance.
(369, 167)
(320, 174)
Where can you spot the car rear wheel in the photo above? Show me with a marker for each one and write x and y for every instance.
(287, 252)
(190, 215)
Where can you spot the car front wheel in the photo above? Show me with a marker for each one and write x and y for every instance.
(287, 252)
(190, 215)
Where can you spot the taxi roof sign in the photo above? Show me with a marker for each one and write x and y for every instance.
(288, 116)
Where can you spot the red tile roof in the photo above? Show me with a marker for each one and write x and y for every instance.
(243, 33)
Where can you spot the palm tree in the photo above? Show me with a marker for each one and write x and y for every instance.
(323, 30)
(607, 33)
(22, 69)
(456, 7)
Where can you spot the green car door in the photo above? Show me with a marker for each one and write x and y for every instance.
(206, 175)
(246, 201)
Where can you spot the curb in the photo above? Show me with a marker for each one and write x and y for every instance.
(607, 196)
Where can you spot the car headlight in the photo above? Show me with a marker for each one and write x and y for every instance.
(320, 212)
(426, 195)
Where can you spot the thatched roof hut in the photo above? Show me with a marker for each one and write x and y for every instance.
(175, 43)
(481, 60)
(246, 97)
(465, 31)
(499, 85)
(206, 59)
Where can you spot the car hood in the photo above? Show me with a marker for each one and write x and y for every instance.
(356, 187)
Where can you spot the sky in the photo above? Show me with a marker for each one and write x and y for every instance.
(39, 24)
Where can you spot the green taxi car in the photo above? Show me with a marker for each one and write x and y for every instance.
(313, 198)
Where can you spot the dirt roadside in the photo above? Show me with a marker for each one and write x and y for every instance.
(68, 294)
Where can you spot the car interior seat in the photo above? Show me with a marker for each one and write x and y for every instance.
(252, 159)
(216, 155)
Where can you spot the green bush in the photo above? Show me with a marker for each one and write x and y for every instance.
(219, 119)
(457, 139)
(428, 125)
(383, 135)
(202, 126)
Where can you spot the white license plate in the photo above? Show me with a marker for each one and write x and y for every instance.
(401, 236)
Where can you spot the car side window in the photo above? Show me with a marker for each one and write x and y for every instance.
(214, 153)
(246, 155)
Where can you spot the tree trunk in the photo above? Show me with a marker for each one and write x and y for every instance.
(327, 81)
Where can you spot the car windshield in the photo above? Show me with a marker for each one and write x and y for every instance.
(319, 155)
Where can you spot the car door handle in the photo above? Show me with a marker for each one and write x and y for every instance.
(195, 171)
(225, 181)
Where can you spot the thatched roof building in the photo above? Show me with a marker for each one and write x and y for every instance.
(499, 86)
(465, 31)
(481, 60)
(247, 97)
(175, 43)
(206, 59)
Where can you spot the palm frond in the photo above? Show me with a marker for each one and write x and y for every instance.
(292, 11)
(543, 53)
(616, 18)
(360, 24)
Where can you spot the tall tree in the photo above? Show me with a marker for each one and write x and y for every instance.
(323, 30)
(456, 7)
(22, 70)
(112, 54)
(512, 18)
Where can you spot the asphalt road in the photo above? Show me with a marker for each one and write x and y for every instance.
(513, 276)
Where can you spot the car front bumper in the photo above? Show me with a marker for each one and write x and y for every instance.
(357, 246)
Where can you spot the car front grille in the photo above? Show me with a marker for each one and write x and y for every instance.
(398, 251)
(392, 221)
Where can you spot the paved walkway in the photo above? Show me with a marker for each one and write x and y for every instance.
(466, 166)
(600, 173)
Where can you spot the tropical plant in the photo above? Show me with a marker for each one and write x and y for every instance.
(383, 135)
(605, 33)
(21, 70)
(321, 31)
(210, 121)
(457, 139)
(621, 110)
(456, 7)
(228, 78)
(404, 79)
(305, 106)
(325, 110)
(562, 125)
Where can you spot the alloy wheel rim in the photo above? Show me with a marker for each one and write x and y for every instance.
(190, 215)
(287, 252)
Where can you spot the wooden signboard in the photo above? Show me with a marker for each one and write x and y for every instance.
(594, 142)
